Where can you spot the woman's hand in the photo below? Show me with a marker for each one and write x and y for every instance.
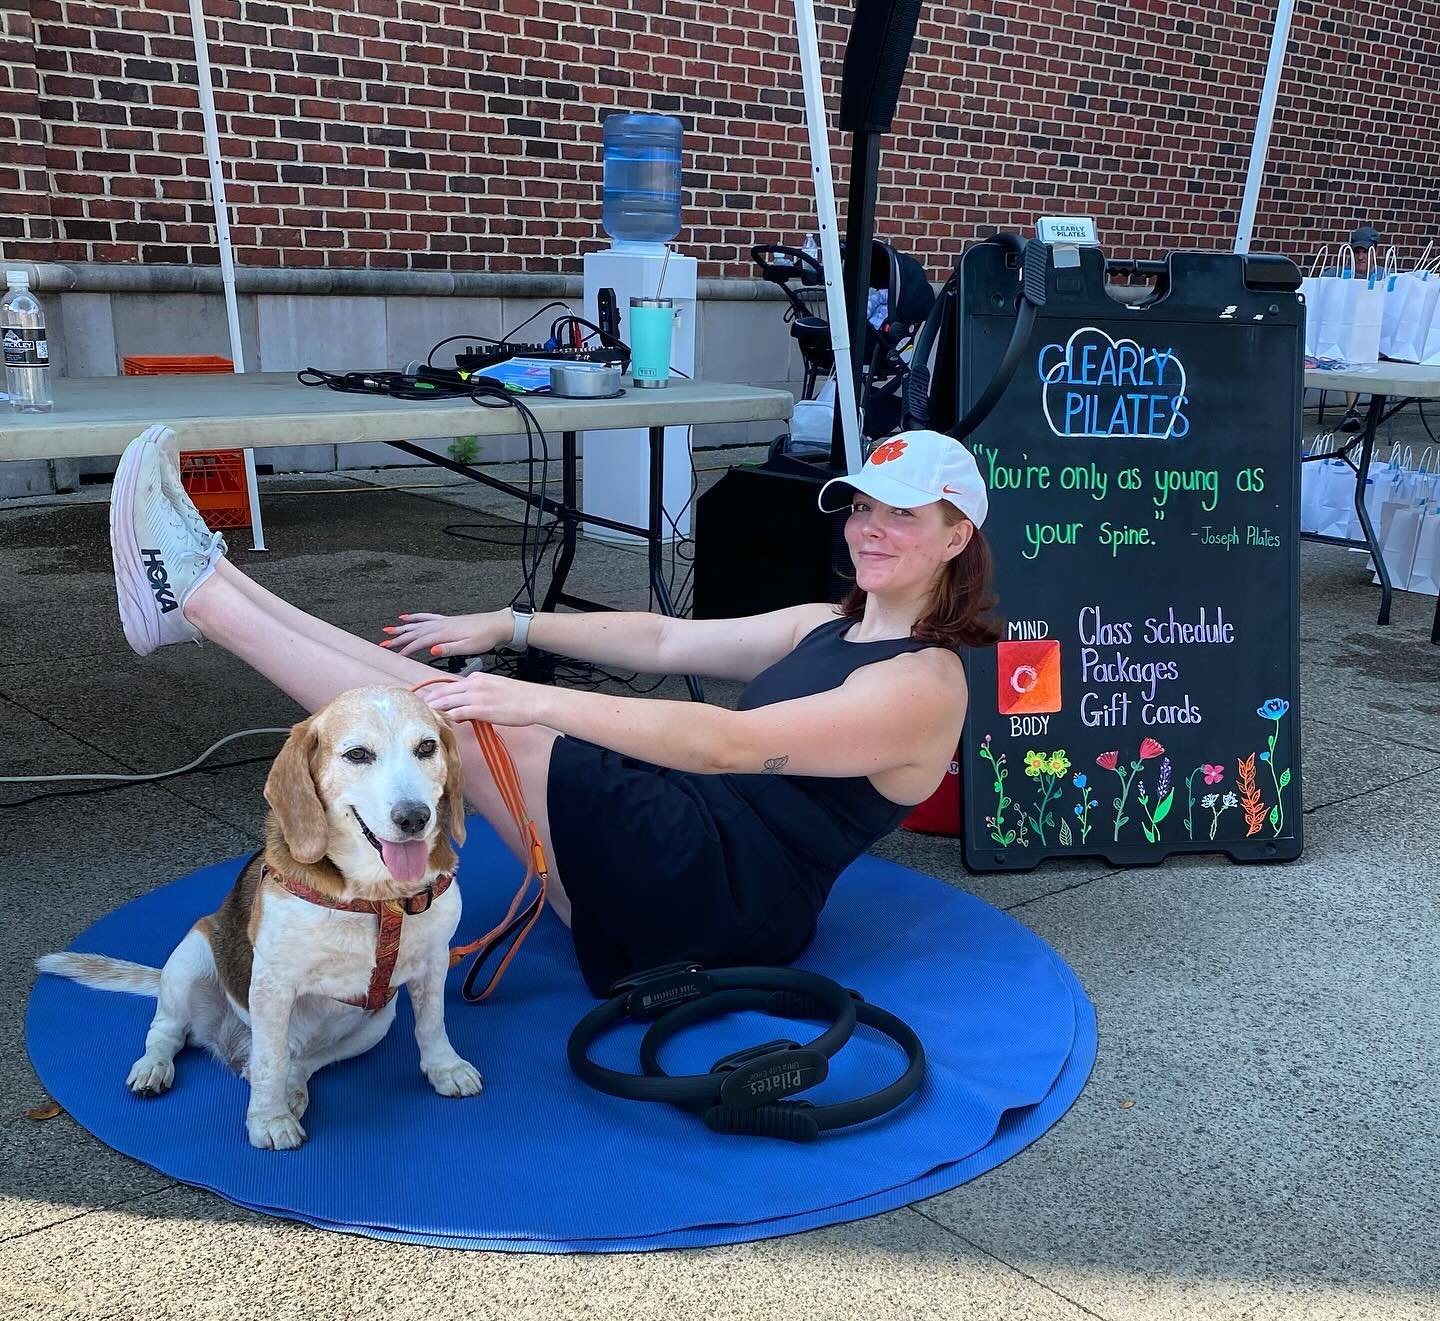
(490, 698)
(450, 635)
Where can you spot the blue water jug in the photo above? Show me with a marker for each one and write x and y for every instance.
(642, 179)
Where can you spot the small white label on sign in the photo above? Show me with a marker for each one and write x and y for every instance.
(1060, 229)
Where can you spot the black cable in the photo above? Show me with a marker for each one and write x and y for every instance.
(450, 339)
(395, 384)
(490, 339)
(487, 393)
(510, 334)
(530, 569)
(483, 393)
(560, 325)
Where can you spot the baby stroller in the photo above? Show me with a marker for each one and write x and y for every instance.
(900, 300)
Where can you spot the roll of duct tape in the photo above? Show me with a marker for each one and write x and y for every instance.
(584, 380)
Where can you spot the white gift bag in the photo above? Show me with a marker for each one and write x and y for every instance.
(1381, 487)
(1310, 481)
(1402, 495)
(1397, 285)
(1425, 568)
(1313, 289)
(1350, 324)
(1334, 508)
(1402, 519)
(1430, 349)
(1412, 321)
(1402, 539)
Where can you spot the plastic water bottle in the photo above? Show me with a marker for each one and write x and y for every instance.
(27, 355)
(642, 180)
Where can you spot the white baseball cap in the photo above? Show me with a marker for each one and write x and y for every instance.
(918, 468)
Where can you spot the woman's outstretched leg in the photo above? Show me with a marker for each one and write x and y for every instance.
(405, 670)
(174, 586)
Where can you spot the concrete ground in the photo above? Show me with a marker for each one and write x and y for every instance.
(1254, 1143)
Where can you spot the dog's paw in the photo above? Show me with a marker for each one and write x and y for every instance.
(274, 1132)
(151, 1075)
(454, 1077)
(297, 1096)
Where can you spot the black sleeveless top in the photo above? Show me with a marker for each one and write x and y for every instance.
(831, 820)
(661, 864)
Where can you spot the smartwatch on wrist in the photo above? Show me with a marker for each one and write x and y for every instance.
(520, 637)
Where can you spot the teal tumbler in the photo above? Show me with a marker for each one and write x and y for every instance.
(652, 324)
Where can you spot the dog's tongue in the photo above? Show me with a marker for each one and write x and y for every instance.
(405, 862)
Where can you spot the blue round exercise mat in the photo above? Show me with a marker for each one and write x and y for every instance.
(541, 1163)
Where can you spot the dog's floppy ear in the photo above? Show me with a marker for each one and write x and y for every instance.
(290, 791)
(453, 799)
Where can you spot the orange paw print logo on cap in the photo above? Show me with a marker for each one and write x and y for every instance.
(891, 449)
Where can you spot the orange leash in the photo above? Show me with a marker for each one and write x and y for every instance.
(520, 918)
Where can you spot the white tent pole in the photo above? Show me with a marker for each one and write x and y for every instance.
(222, 236)
(1261, 144)
(817, 125)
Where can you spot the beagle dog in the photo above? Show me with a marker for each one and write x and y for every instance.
(352, 897)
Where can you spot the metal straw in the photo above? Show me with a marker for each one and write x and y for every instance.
(663, 265)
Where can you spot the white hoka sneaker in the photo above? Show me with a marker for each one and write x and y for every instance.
(167, 444)
(159, 557)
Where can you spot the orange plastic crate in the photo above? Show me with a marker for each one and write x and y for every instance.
(215, 482)
(213, 479)
(175, 365)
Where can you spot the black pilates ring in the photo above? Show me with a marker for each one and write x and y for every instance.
(798, 1120)
(742, 1080)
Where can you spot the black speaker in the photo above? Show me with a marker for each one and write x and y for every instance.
(762, 543)
(875, 57)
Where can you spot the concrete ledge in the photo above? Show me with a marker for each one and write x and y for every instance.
(118, 278)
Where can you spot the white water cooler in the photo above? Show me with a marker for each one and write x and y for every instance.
(617, 463)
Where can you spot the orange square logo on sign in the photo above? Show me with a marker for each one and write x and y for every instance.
(1029, 676)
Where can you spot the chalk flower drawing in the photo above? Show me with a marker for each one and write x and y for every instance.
(1213, 774)
(1218, 807)
(1164, 799)
(1274, 710)
(1250, 798)
(1049, 769)
(1082, 808)
(1110, 761)
(999, 774)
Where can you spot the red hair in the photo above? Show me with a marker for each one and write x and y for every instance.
(963, 597)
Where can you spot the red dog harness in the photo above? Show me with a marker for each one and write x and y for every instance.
(391, 918)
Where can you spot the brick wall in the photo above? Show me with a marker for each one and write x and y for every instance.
(425, 135)
(25, 227)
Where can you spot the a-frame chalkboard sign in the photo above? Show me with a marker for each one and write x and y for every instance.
(1143, 476)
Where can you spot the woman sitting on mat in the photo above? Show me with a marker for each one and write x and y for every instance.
(675, 830)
